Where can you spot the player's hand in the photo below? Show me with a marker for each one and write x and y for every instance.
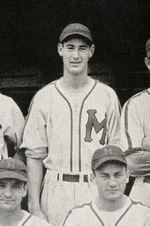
(146, 143)
(139, 163)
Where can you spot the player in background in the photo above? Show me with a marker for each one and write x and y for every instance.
(11, 126)
(13, 187)
(111, 207)
(135, 139)
(67, 119)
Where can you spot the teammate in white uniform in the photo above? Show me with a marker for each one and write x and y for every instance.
(67, 119)
(135, 134)
(111, 207)
(11, 125)
(13, 187)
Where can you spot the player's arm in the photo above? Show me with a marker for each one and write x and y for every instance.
(35, 145)
(131, 125)
(35, 178)
(139, 159)
(133, 140)
(18, 123)
(138, 162)
(14, 125)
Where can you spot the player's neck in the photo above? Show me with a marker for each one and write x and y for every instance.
(111, 205)
(74, 82)
(11, 218)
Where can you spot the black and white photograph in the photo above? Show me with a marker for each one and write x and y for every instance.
(74, 116)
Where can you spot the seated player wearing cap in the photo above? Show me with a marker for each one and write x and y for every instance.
(111, 207)
(13, 187)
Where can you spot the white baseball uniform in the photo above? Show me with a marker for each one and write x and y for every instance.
(11, 124)
(135, 125)
(31, 220)
(70, 127)
(133, 213)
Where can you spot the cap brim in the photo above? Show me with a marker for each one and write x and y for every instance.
(13, 175)
(76, 33)
(107, 159)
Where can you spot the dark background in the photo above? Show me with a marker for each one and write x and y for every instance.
(29, 32)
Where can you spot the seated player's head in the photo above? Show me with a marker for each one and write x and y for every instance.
(147, 58)
(110, 170)
(13, 179)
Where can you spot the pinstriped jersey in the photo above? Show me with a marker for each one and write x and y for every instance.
(69, 127)
(11, 125)
(31, 220)
(134, 214)
(135, 120)
(135, 126)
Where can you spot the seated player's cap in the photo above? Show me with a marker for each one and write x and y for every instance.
(107, 153)
(75, 29)
(14, 169)
(148, 47)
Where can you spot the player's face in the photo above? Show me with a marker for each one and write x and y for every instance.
(111, 181)
(75, 53)
(147, 61)
(11, 193)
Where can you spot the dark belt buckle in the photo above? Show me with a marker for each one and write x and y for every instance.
(70, 178)
(74, 178)
(85, 178)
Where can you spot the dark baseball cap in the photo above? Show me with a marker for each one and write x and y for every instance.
(107, 153)
(148, 47)
(75, 29)
(13, 168)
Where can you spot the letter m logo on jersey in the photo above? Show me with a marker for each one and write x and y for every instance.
(93, 123)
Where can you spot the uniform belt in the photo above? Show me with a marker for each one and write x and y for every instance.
(73, 178)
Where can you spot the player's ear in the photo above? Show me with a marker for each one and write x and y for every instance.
(60, 49)
(25, 190)
(147, 62)
(93, 178)
(92, 50)
(127, 176)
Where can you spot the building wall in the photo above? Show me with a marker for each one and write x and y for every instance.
(29, 32)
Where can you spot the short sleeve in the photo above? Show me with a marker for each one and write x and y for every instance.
(131, 125)
(11, 125)
(17, 122)
(113, 119)
(34, 137)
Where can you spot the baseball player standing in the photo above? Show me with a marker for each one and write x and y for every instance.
(11, 126)
(111, 207)
(135, 138)
(67, 119)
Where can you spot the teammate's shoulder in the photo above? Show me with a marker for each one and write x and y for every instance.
(80, 208)
(140, 96)
(102, 84)
(4, 97)
(45, 92)
(30, 219)
(138, 100)
(141, 206)
(7, 101)
(33, 220)
(103, 87)
(46, 88)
